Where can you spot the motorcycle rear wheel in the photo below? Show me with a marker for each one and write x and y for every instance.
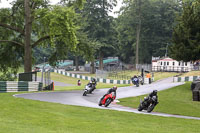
(108, 101)
(150, 108)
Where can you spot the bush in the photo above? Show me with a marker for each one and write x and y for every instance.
(7, 77)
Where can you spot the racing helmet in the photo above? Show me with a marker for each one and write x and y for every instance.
(115, 87)
(155, 92)
(93, 80)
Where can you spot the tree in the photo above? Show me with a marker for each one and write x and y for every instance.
(157, 21)
(186, 35)
(99, 27)
(31, 23)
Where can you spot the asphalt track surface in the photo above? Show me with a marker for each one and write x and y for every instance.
(91, 100)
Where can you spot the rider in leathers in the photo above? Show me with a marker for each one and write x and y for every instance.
(154, 93)
(92, 84)
(113, 89)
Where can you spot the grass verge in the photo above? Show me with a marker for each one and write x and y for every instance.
(73, 81)
(18, 115)
(177, 100)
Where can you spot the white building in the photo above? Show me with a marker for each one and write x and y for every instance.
(170, 65)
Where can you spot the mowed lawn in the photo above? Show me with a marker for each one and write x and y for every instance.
(18, 115)
(177, 100)
(73, 81)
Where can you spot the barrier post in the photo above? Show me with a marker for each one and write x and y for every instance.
(53, 87)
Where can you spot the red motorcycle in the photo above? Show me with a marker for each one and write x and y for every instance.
(106, 100)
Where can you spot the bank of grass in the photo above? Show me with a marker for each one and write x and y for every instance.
(128, 73)
(177, 100)
(191, 73)
(73, 81)
(18, 115)
(162, 75)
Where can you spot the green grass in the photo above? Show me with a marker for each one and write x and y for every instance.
(18, 115)
(177, 100)
(70, 80)
(73, 81)
(128, 73)
(191, 73)
(162, 75)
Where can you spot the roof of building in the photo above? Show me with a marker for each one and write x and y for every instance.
(107, 61)
(163, 59)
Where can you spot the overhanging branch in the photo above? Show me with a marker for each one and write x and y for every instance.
(14, 42)
(12, 28)
(42, 39)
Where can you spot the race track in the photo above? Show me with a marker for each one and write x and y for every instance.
(91, 100)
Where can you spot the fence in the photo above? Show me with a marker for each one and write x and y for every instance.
(170, 69)
(29, 76)
(15, 86)
(102, 80)
(139, 67)
(184, 79)
(46, 80)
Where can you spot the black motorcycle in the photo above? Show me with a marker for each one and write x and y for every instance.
(135, 81)
(148, 104)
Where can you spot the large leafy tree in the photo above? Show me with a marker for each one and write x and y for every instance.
(99, 27)
(157, 21)
(30, 23)
(186, 35)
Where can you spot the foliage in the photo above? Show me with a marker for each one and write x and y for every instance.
(186, 35)
(98, 25)
(54, 25)
(7, 76)
(157, 21)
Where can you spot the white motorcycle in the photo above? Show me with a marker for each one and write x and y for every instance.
(88, 90)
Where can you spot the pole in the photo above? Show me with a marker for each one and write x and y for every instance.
(42, 72)
(166, 50)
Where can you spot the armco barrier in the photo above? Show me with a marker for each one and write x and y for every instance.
(102, 80)
(184, 79)
(15, 86)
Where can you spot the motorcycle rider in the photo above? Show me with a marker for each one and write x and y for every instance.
(92, 84)
(154, 93)
(132, 79)
(113, 89)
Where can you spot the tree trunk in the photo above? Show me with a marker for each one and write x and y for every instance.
(27, 43)
(138, 32)
(76, 62)
(92, 70)
(100, 61)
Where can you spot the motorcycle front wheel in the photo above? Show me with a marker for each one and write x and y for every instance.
(84, 93)
(140, 108)
(100, 102)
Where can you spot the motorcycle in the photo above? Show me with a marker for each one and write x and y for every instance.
(141, 81)
(135, 81)
(148, 104)
(88, 90)
(107, 100)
